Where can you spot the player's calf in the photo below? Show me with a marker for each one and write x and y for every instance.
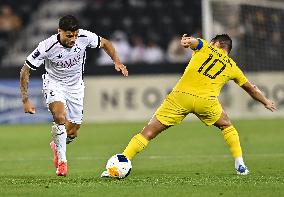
(59, 136)
(55, 157)
(72, 131)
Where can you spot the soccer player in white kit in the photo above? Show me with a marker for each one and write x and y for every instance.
(63, 56)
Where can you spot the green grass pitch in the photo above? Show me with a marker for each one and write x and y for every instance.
(186, 160)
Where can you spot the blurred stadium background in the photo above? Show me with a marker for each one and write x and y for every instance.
(146, 34)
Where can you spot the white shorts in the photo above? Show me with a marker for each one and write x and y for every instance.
(71, 96)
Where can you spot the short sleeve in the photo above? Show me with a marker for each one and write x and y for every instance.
(239, 77)
(37, 57)
(201, 44)
(94, 41)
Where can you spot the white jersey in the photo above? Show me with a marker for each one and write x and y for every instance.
(63, 65)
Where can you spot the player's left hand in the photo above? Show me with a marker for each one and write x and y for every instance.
(270, 105)
(120, 67)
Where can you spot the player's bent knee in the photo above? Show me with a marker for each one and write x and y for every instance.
(223, 121)
(154, 128)
(148, 135)
(223, 125)
(149, 132)
(59, 118)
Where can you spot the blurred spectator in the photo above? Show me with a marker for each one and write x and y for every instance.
(154, 20)
(120, 42)
(9, 27)
(137, 54)
(259, 34)
(260, 26)
(275, 46)
(153, 53)
(230, 26)
(9, 22)
(177, 53)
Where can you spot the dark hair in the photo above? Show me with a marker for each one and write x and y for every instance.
(224, 40)
(68, 23)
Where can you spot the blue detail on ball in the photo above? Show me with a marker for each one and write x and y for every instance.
(122, 158)
(241, 169)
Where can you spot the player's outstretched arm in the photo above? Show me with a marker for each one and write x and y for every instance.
(257, 95)
(110, 50)
(188, 41)
(24, 81)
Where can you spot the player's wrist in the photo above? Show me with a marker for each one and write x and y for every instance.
(116, 62)
(266, 103)
(25, 100)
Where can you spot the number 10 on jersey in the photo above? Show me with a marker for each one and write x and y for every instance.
(213, 63)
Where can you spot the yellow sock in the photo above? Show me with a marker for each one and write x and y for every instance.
(136, 144)
(232, 139)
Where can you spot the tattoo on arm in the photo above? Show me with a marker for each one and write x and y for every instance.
(24, 81)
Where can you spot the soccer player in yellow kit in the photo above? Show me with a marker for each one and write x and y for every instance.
(197, 92)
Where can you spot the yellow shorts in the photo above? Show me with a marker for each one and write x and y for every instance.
(178, 104)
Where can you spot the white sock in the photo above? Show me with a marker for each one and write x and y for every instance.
(59, 135)
(239, 161)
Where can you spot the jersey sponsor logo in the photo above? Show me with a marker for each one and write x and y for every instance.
(36, 54)
(70, 62)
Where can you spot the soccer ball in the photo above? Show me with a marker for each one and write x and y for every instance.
(118, 166)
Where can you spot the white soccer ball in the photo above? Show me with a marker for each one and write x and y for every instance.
(118, 166)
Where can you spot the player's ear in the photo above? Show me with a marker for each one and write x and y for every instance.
(59, 30)
(216, 44)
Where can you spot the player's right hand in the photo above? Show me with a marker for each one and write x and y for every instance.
(270, 105)
(185, 41)
(28, 107)
(120, 67)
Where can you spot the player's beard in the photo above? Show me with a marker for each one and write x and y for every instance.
(71, 44)
(68, 44)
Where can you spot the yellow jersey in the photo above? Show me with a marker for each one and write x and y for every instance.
(207, 72)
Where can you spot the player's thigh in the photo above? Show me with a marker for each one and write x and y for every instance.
(52, 91)
(57, 107)
(174, 108)
(208, 110)
(55, 102)
(74, 103)
(52, 95)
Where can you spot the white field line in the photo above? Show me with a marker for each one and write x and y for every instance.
(153, 157)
